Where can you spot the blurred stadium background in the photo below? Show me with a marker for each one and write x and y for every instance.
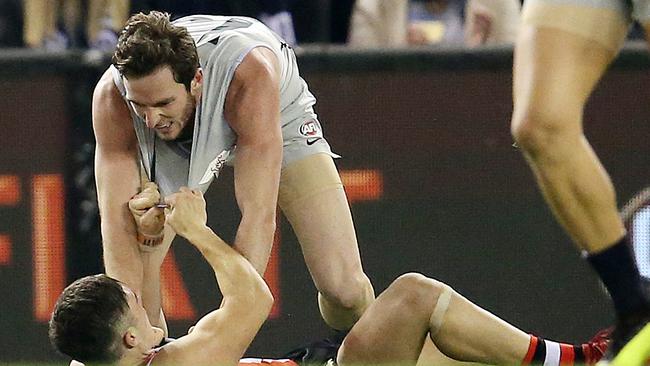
(434, 182)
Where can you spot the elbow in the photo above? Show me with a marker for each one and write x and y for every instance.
(265, 300)
(262, 295)
(258, 300)
(260, 219)
(267, 221)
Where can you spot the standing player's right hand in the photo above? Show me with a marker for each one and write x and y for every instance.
(149, 219)
(186, 213)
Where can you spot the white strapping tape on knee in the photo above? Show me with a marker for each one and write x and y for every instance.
(440, 310)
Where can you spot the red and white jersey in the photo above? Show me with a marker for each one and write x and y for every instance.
(266, 362)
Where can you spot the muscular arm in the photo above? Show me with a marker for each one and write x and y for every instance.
(118, 179)
(222, 336)
(151, 296)
(253, 111)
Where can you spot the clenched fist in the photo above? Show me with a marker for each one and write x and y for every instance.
(149, 219)
(186, 213)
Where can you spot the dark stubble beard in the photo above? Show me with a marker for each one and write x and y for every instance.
(189, 113)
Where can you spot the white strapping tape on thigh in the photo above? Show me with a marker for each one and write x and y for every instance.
(440, 310)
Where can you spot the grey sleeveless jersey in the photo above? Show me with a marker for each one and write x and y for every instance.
(222, 43)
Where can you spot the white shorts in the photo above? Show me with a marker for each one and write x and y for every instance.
(604, 21)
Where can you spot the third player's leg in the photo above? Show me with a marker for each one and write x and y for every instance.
(313, 200)
(393, 330)
(562, 51)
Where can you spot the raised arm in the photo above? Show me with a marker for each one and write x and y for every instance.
(222, 336)
(253, 111)
(150, 221)
(118, 179)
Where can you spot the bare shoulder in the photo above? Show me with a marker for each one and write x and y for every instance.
(260, 64)
(256, 82)
(192, 351)
(111, 117)
(106, 90)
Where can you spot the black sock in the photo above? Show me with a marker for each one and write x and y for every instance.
(617, 269)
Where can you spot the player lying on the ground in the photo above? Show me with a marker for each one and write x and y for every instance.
(98, 319)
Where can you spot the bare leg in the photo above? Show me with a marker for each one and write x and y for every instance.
(494, 341)
(96, 9)
(71, 11)
(557, 66)
(431, 356)
(313, 200)
(555, 71)
(40, 21)
(394, 328)
(116, 10)
(119, 13)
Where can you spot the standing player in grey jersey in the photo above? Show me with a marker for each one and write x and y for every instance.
(564, 48)
(184, 98)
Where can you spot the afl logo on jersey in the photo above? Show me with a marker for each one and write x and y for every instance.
(310, 129)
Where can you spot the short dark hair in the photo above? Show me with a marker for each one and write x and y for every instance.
(150, 41)
(87, 320)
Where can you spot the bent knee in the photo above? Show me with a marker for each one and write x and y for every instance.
(349, 293)
(350, 351)
(541, 132)
(417, 291)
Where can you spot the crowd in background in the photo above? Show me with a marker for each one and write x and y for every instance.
(56, 25)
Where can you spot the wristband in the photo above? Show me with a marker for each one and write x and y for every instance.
(150, 240)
